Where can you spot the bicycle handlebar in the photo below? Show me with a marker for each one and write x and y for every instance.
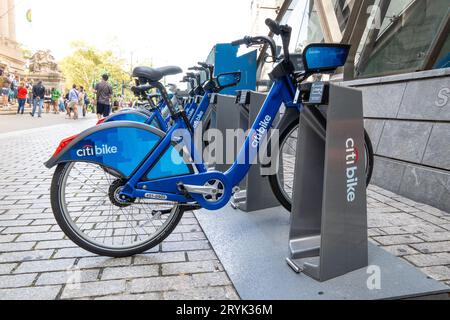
(260, 40)
(240, 42)
(273, 26)
(205, 65)
(209, 69)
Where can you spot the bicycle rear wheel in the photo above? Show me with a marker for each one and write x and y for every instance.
(283, 181)
(86, 204)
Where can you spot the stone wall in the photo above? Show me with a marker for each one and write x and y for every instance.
(408, 119)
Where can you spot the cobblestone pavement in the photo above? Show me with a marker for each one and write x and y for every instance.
(417, 233)
(38, 262)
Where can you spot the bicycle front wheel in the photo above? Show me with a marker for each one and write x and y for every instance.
(86, 204)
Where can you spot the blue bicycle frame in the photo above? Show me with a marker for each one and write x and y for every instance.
(190, 108)
(200, 110)
(155, 118)
(194, 112)
(282, 92)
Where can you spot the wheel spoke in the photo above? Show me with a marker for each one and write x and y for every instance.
(286, 172)
(102, 220)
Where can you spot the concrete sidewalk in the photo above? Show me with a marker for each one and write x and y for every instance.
(14, 123)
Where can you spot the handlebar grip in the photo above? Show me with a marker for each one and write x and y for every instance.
(238, 43)
(273, 26)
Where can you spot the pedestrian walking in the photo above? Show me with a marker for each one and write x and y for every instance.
(30, 93)
(22, 94)
(73, 102)
(55, 94)
(66, 103)
(61, 104)
(17, 82)
(104, 92)
(47, 101)
(13, 89)
(87, 102)
(4, 87)
(38, 99)
(81, 101)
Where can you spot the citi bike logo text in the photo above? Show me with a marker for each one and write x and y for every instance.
(260, 132)
(198, 119)
(95, 151)
(351, 158)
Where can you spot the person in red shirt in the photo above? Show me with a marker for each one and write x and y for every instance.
(22, 94)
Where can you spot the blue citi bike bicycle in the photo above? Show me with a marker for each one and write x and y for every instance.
(155, 113)
(121, 188)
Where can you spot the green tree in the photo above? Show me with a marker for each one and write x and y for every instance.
(86, 65)
(27, 54)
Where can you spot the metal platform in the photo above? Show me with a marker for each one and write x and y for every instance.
(253, 249)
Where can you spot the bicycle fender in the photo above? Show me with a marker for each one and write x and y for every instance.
(291, 115)
(120, 146)
(129, 115)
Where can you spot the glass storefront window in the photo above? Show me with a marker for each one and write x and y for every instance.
(306, 25)
(401, 36)
(304, 19)
(343, 8)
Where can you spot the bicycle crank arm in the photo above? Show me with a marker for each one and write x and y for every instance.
(191, 207)
(161, 212)
(203, 190)
(185, 207)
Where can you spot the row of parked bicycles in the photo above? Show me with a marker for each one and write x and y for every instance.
(121, 187)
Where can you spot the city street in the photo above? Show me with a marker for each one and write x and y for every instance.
(38, 262)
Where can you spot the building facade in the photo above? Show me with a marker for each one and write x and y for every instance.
(261, 10)
(400, 59)
(11, 57)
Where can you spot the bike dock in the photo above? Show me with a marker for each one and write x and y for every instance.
(325, 241)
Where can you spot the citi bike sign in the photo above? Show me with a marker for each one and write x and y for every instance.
(96, 151)
(351, 158)
(261, 132)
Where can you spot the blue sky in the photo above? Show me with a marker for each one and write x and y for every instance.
(166, 32)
